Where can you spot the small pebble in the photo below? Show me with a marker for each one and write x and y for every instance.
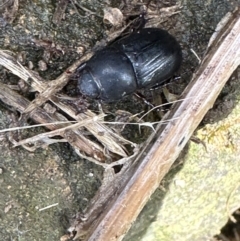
(42, 65)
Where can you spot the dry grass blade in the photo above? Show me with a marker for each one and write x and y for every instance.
(111, 141)
(78, 141)
(46, 89)
(59, 131)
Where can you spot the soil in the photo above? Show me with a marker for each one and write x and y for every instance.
(41, 191)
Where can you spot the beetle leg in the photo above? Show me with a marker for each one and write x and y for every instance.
(81, 67)
(141, 97)
(100, 107)
(169, 96)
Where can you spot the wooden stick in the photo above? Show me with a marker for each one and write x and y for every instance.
(155, 160)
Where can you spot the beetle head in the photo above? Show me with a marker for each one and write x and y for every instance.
(88, 84)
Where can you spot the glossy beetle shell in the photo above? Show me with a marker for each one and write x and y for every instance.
(140, 60)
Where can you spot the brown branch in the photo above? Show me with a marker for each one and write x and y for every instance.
(140, 180)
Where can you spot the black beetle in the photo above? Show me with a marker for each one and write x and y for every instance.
(140, 60)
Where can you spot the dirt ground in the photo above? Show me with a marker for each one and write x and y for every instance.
(41, 191)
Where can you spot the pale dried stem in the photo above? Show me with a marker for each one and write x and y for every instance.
(111, 141)
(39, 115)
